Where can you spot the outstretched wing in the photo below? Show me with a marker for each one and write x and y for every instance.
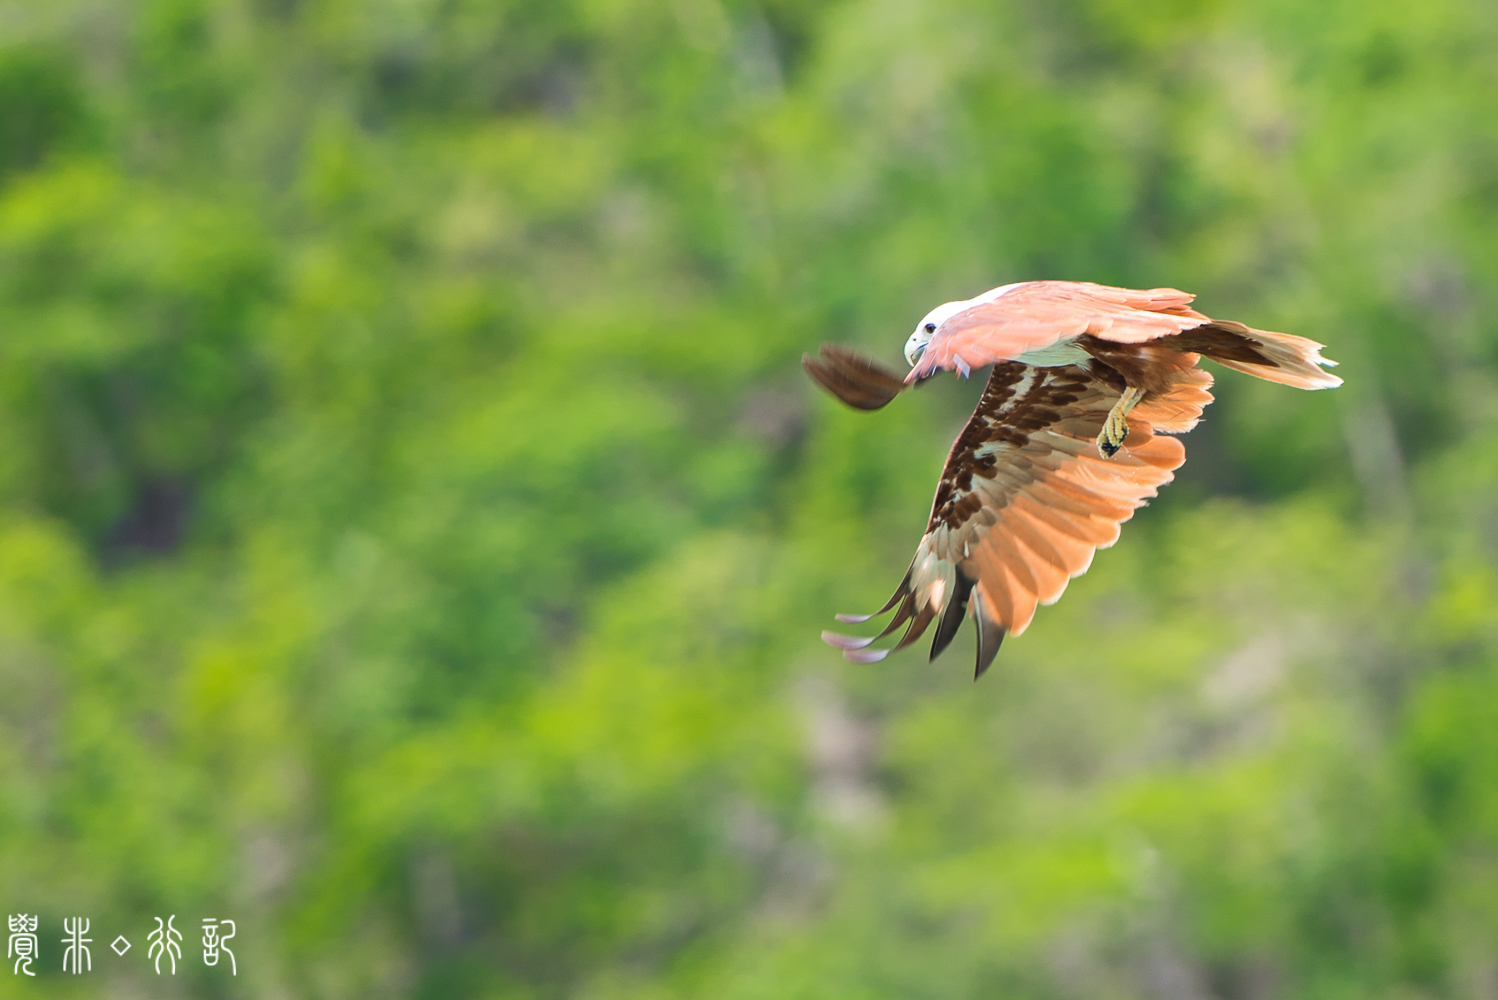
(1025, 500)
(1038, 314)
(861, 382)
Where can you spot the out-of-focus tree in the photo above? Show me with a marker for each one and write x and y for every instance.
(414, 527)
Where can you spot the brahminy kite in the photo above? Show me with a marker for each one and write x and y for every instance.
(1064, 445)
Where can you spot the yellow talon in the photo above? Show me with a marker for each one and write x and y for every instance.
(1116, 427)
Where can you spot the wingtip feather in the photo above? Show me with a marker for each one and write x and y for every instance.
(990, 637)
(845, 642)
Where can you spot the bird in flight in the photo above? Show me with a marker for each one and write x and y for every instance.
(1066, 441)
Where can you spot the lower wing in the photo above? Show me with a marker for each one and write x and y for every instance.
(1024, 500)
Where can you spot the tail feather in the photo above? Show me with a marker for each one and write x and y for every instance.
(1276, 357)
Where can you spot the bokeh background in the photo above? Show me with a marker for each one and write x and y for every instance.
(415, 526)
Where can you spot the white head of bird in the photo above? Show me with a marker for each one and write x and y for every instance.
(927, 327)
(922, 336)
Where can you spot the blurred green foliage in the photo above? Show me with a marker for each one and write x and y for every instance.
(415, 528)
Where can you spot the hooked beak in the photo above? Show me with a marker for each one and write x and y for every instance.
(915, 347)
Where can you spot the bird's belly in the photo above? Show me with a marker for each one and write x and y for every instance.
(1055, 355)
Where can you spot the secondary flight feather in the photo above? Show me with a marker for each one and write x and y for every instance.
(1066, 442)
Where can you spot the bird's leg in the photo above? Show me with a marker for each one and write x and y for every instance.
(1116, 427)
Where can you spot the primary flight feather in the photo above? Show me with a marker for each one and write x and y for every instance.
(1064, 445)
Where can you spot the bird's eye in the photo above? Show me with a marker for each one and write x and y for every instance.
(930, 327)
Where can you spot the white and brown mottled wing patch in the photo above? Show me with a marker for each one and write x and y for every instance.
(1025, 500)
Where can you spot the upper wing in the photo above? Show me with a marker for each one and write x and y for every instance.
(1024, 500)
(1037, 314)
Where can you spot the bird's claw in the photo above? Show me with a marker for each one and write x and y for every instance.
(1116, 427)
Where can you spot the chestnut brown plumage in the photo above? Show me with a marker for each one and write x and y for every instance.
(861, 382)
